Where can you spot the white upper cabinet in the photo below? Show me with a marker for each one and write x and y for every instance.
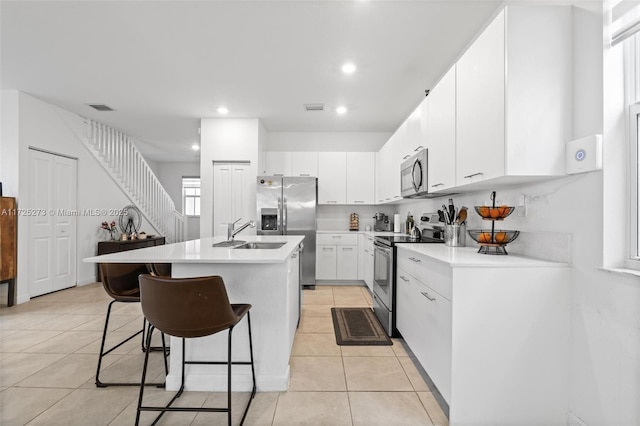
(388, 169)
(304, 164)
(414, 133)
(441, 133)
(277, 163)
(513, 97)
(332, 177)
(361, 177)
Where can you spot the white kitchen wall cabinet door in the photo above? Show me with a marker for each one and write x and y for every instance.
(231, 183)
(332, 178)
(361, 177)
(304, 164)
(52, 227)
(513, 98)
(277, 163)
(481, 107)
(441, 133)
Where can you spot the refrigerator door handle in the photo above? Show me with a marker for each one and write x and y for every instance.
(284, 216)
(279, 218)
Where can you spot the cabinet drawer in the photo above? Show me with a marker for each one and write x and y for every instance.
(337, 239)
(434, 274)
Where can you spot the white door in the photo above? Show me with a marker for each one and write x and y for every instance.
(52, 227)
(231, 192)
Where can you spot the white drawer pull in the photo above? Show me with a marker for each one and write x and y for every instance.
(327, 249)
(347, 248)
(336, 236)
(415, 260)
(425, 294)
(404, 279)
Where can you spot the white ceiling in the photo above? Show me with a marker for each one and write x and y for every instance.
(163, 65)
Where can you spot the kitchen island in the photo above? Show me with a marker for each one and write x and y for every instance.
(268, 279)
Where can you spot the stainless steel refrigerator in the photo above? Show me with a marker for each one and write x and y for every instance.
(287, 206)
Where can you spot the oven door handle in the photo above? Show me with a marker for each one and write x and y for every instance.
(384, 249)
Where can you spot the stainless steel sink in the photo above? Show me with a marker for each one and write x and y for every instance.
(260, 246)
(232, 243)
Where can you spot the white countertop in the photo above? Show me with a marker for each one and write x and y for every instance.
(371, 233)
(470, 258)
(201, 251)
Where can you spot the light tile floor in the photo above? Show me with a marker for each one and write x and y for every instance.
(48, 356)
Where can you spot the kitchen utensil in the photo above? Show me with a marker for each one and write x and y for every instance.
(462, 216)
(441, 216)
(452, 211)
(447, 218)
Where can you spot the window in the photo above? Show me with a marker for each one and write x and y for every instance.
(632, 98)
(191, 196)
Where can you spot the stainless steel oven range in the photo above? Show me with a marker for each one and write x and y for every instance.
(384, 276)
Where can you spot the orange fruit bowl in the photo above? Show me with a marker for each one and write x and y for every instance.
(500, 237)
(494, 213)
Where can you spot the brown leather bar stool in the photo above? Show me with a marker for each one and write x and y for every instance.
(159, 269)
(120, 281)
(190, 308)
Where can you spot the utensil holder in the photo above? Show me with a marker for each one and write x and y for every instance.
(455, 235)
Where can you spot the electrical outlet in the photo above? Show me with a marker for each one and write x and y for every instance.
(521, 208)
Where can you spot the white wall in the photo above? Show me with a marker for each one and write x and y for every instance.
(170, 176)
(326, 141)
(53, 129)
(225, 140)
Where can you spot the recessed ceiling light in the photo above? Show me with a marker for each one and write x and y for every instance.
(222, 110)
(195, 147)
(349, 68)
(341, 109)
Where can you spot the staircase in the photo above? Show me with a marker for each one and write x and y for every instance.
(129, 170)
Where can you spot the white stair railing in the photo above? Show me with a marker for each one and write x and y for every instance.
(128, 168)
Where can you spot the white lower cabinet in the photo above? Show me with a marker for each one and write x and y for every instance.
(347, 263)
(336, 256)
(326, 262)
(492, 334)
(424, 320)
(366, 247)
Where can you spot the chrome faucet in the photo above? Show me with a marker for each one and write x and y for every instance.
(231, 231)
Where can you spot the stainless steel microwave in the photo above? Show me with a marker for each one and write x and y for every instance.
(413, 175)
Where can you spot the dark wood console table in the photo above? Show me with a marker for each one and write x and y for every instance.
(8, 253)
(114, 246)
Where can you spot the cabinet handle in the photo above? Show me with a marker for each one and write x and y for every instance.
(425, 294)
(474, 174)
(278, 174)
(406, 156)
(418, 148)
(336, 236)
(331, 202)
(293, 256)
(415, 260)
(404, 279)
(437, 185)
(327, 248)
(388, 198)
(305, 174)
(347, 248)
(358, 202)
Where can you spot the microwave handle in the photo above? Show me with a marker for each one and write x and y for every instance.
(416, 186)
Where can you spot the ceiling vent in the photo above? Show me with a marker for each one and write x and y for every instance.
(101, 107)
(314, 107)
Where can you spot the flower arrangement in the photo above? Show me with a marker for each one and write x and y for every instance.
(111, 227)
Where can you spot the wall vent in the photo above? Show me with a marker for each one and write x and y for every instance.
(314, 107)
(101, 107)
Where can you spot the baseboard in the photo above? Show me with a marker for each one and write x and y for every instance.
(85, 281)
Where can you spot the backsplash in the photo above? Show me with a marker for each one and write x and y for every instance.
(336, 218)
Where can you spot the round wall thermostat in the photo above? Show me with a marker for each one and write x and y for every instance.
(580, 154)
